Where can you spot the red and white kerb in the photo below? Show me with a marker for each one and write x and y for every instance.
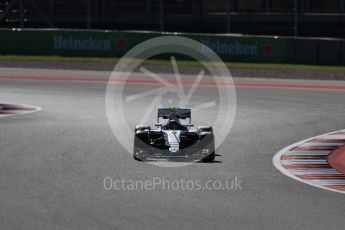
(12, 109)
(306, 161)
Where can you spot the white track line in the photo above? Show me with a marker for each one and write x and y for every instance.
(308, 152)
(315, 172)
(328, 136)
(326, 144)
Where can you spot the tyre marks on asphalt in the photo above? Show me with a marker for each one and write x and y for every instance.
(307, 161)
(7, 110)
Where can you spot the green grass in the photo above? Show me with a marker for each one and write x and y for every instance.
(166, 62)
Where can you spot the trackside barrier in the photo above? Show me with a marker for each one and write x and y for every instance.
(315, 51)
(236, 48)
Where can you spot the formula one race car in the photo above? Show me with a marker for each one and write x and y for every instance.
(173, 140)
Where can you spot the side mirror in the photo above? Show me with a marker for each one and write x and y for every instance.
(190, 125)
(158, 124)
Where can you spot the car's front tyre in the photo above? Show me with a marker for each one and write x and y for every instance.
(209, 158)
(207, 143)
(137, 146)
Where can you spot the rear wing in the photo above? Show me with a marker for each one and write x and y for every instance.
(182, 113)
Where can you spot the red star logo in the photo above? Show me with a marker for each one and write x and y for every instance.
(121, 43)
(268, 48)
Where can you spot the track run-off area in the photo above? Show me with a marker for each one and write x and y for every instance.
(53, 162)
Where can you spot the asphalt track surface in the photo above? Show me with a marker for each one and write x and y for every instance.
(53, 162)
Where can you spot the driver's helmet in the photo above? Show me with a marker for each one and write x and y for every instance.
(174, 121)
(174, 117)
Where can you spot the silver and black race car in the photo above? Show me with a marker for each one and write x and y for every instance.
(174, 140)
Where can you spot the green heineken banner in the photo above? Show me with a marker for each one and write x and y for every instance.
(115, 44)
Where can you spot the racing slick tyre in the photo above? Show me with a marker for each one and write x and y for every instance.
(140, 138)
(205, 129)
(208, 144)
(136, 149)
(209, 158)
(142, 128)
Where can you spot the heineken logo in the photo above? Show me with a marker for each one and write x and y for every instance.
(86, 43)
(230, 48)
